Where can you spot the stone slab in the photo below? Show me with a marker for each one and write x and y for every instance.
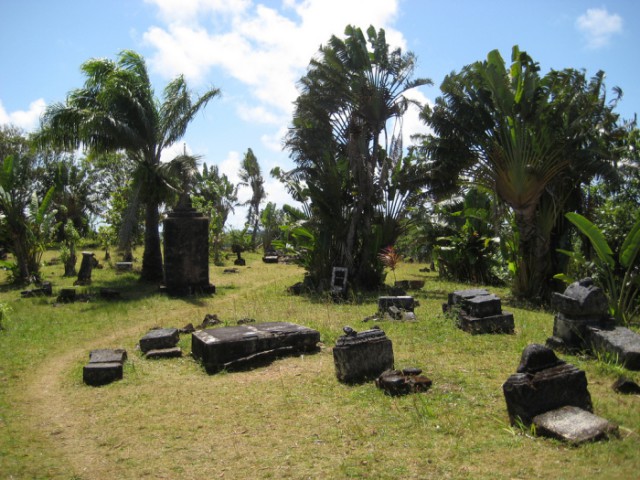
(459, 295)
(174, 352)
(96, 374)
(105, 355)
(159, 338)
(573, 425)
(482, 306)
(618, 341)
(227, 347)
(502, 323)
(403, 302)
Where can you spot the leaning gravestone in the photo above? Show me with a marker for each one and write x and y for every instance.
(479, 311)
(245, 346)
(105, 366)
(360, 356)
(553, 395)
(583, 323)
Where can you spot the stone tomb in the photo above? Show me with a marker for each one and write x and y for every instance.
(246, 346)
(104, 367)
(542, 389)
(479, 311)
(361, 356)
(583, 323)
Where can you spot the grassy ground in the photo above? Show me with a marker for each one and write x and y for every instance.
(291, 419)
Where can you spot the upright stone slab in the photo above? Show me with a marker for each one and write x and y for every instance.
(86, 267)
(159, 338)
(543, 383)
(248, 345)
(362, 356)
(186, 251)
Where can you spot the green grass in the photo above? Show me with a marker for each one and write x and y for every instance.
(291, 419)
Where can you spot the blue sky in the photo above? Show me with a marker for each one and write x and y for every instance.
(255, 51)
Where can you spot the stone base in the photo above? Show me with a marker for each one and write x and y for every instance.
(160, 338)
(174, 352)
(96, 374)
(502, 323)
(245, 346)
(618, 341)
(573, 425)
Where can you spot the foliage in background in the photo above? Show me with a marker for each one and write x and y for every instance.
(618, 275)
(531, 139)
(68, 248)
(349, 165)
(390, 259)
(251, 176)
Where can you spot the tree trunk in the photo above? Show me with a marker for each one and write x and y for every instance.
(152, 256)
(532, 264)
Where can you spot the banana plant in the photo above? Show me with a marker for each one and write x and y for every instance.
(621, 289)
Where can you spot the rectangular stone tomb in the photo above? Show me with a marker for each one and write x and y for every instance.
(248, 345)
(104, 367)
(573, 425)
(362, 356)
(159, 338)
(403, 302)
(502, 323)
(482, 306)
(620, 342)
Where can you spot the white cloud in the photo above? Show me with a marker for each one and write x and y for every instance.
(274, 141)
(598, 26)
(258, 114)
(25, 119)
(411, 123)
(265, 49)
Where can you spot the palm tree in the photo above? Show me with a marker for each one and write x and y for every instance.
(116, 110)
(530, 139)
(353, 91)
(251, 176)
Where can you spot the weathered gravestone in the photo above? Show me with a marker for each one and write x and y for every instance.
(186, 251)
(105, 366)
(479, 311)
(360, 356)
(160, 342)
(396, 307)
(552, 395)
(246, 346)
(86, 267)
(583, 323)
(339, 277)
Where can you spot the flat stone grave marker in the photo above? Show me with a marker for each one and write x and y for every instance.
(104, 367)
(618, 341)
(244, 346)
(573, 425)
(159, 338)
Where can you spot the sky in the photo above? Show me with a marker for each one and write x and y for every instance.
(256, 51)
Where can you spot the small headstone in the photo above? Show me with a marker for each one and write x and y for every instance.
(124, 267)
(159, 338)
(86, 267)
(67, 295)
(574, 425)
(362, 356)
(409, 380)
(173, 352)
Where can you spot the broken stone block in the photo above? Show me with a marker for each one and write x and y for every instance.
(458, 296)
(249, 345)
(174, 352)
(626, 386)
(96, 374)
(362, 356)
(409, 380)
(403, 302)
(619, 342)
(159, 338)
(482, 306)
(536, 389)
(574, 425)
(107, 356)
(502, 323)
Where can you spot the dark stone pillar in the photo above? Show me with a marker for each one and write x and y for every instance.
(86, 267)
(186, 251)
